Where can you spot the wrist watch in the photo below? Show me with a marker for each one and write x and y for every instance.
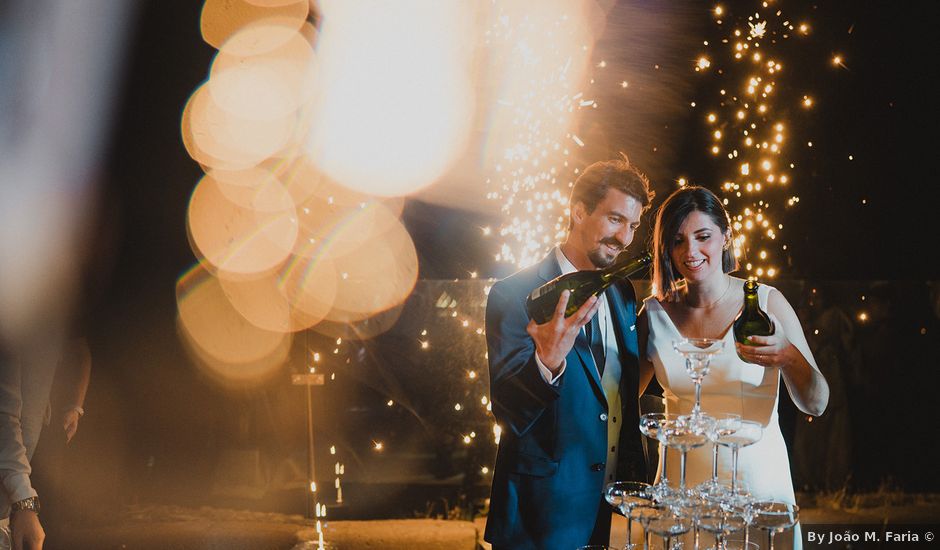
(31, 503)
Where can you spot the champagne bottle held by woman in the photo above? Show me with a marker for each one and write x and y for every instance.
(752, 321)
(542, 301)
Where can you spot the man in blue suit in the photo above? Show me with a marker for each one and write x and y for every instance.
(565, 392)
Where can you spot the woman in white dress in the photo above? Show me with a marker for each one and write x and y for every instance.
(694, 297)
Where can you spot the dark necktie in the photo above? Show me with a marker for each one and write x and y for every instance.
(596, 343)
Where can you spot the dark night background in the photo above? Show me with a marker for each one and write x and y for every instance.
(154, 424)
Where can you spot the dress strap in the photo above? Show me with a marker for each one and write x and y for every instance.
(763, 295)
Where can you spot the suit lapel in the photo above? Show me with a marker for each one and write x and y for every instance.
(549, 268)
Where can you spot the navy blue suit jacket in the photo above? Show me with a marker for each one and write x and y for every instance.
(547, 491)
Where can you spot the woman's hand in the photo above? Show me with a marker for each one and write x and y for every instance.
(775, 350)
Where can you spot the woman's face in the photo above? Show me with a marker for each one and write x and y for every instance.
(697, 247)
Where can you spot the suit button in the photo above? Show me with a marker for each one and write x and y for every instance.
(597, 467)
(603, 417)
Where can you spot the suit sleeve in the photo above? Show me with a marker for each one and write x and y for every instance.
(519, 393)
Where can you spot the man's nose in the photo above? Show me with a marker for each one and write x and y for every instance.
(625, 236)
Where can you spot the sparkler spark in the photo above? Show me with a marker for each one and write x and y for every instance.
(543, 56)
(758, 29)
(750, 55)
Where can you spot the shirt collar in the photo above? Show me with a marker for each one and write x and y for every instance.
(563, 262)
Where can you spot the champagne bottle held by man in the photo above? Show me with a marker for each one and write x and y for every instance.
(542, 301)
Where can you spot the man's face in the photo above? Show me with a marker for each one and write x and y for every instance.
(609, 229)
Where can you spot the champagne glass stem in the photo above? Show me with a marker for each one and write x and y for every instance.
(682, 456)
(770, 538)
(629, 544)
(734, 469)
(664, 450)
(715, 464)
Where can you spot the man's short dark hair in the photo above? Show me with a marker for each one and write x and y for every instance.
(591, 186)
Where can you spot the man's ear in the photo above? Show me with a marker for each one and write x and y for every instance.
(578, 212)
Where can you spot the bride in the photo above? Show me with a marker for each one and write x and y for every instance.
(694, 297)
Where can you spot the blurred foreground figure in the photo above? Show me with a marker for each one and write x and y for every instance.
(24, 397)
(56, 76)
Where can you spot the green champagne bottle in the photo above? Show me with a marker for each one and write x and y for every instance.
(752, 321)
(542, 301)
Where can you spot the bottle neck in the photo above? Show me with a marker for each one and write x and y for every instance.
(626, 267)
(751, 302)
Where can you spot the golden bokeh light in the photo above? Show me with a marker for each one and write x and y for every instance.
(242, 229)
(380, 270)
(218, 138)
(259, 301)
(227, 346)
(309, 285)
(272, 3)
(223, 18)
(328, 212)
(263, 83)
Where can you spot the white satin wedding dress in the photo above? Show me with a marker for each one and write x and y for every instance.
(731, 386)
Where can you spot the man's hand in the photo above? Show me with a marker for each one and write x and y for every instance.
(70, 423)
(26, 530)
(555, 338)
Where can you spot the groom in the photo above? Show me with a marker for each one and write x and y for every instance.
(565, 392)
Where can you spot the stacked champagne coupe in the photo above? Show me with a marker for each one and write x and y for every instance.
(668, 510)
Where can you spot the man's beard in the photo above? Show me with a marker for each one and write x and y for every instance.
(599, 259)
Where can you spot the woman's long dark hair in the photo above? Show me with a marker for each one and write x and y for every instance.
(672, 213)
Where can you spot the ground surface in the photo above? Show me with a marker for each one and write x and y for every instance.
(177, 528)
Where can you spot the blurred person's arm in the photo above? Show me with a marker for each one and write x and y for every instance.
(25, 528)
(14, 464)
(76, 365)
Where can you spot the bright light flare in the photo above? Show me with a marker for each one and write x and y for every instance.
(395, 97)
